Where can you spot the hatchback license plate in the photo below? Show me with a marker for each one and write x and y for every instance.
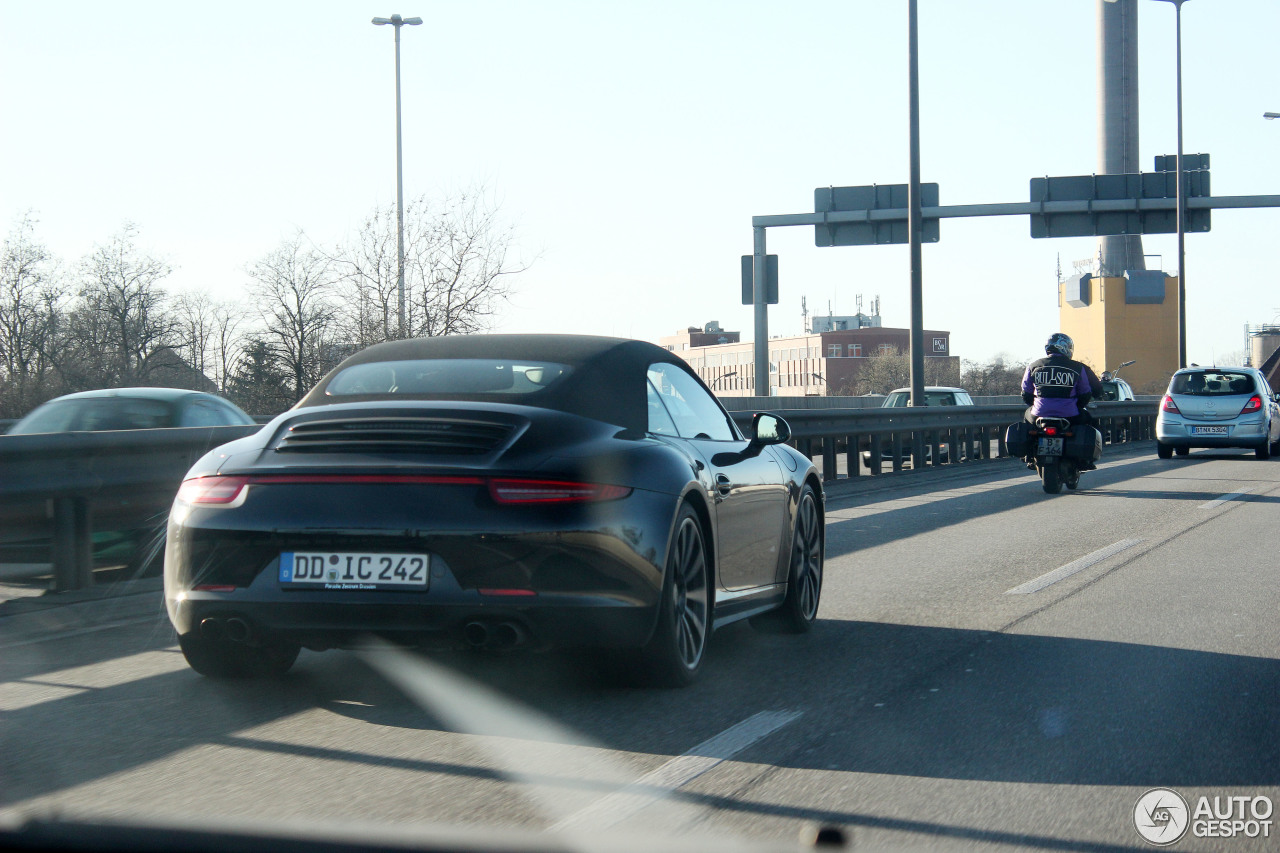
(350, 570)
(1049, 447)
(1207, 430)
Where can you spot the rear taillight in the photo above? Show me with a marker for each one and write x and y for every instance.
(1050, 430)
(1167, 405)
(552, 491)
(217, 491)
(1254, 404)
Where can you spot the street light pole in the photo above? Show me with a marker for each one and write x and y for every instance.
(398, 22)
(1181, 202)
(915, 221)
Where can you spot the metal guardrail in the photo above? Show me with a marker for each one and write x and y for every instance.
(60, 484)
(69, 478)
(920, 435)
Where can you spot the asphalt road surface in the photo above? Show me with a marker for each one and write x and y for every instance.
(994, 668)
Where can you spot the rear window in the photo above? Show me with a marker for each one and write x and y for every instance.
(96, 413)
(1212, 384)
(446, 376)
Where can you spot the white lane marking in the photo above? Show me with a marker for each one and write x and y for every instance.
(1071, 568)
(679, 771)
(1229, 496)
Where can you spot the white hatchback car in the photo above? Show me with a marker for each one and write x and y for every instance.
(1218, 407)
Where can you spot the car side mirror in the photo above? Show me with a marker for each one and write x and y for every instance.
(768, 428)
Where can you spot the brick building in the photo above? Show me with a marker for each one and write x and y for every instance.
(821, 364)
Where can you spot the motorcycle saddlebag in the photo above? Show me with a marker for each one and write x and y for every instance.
(1085, 443)
(1016, 440)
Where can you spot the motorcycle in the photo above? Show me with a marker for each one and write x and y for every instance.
(1060, 450)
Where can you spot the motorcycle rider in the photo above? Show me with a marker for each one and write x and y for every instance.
(1057, 386)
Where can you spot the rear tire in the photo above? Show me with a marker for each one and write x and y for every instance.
(1072, 478)
(1182, 451)
(223, 659)
(1051, 478)
(799, 610)
(1263, 451)
(674, 655)
(1164, 451)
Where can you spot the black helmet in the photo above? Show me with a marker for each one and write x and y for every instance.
(1059, 344)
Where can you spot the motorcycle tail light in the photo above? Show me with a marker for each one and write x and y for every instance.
(1254, 404)
(1050, 430)
(1168, 405)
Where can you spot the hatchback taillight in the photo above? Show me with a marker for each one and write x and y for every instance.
(1168, 405)
(1254, 404)
(217, 491)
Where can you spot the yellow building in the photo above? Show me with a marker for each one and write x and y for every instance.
(1117, 319)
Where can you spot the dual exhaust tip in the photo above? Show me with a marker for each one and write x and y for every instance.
(233, 629)
(494, 635)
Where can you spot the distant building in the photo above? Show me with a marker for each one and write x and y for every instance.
(1115, 319)
(821, 364)
(1263, 351)
(831, 323)
(694, 336)
(164, 368)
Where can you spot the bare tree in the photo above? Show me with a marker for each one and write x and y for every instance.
(30, 314)
(207, 333)
(882, 373)
(457, 269)
(462, 267)
(193, 313)
(293, 288)
(120, 315)
(995, 378)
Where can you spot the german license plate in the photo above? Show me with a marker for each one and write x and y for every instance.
(1049, 447)
(353, 570)
(1209, 430)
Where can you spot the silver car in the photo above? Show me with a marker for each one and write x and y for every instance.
(1218, 407)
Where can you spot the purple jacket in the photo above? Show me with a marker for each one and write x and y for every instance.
(1058, 387)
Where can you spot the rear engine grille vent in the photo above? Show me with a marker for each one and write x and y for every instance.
(396, 435)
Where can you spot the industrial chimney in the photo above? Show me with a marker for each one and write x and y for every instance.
(1118, 119)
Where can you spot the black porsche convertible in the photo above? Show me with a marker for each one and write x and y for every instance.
(496, 491)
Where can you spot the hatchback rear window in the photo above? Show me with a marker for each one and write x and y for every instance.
(445, 376)
(1212, 384)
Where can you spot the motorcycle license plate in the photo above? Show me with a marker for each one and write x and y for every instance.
(1049, 447)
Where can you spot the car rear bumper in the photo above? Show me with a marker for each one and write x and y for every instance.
(561, 621)
(1180, 434)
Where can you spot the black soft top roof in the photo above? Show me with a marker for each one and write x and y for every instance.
(607, 382)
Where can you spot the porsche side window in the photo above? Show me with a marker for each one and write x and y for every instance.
(659, 421)
(695, 412)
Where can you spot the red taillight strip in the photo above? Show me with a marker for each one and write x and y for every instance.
(507, 592)
(520, 491)
(215, 587)
(392, 479)
(220, 491)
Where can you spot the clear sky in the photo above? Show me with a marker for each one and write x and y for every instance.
(633, 142)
